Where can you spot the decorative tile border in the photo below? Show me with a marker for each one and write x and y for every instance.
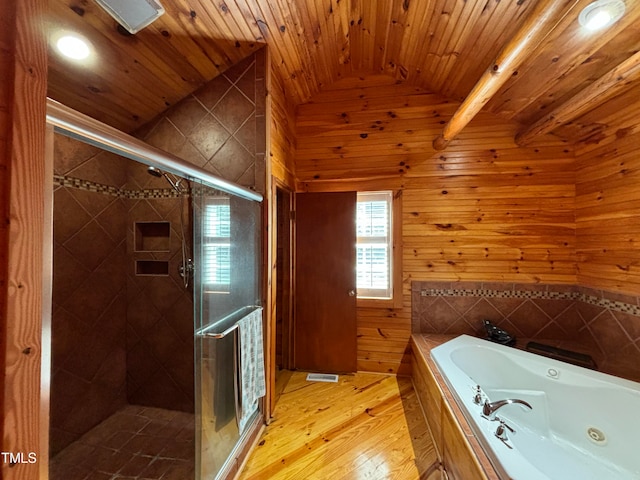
(95, 187)
(615, 305)
(481, 292)
(149, 193)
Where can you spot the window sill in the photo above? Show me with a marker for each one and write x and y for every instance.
(378, 303)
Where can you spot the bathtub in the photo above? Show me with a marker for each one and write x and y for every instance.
(583, 424)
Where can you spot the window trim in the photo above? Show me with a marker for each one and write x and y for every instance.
(396, 300)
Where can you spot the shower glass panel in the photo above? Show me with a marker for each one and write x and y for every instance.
(226, 283)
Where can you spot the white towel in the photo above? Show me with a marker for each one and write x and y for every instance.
(251, 355)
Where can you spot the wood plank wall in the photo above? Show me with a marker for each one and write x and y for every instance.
(22, 146)
(7, 38)
(281, 131)
(482, 210)
(608, 200)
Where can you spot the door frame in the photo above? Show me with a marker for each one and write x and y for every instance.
(278, 186)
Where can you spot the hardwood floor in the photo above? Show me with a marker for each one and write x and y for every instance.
(366, 426)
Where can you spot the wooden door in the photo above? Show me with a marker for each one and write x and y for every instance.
(325, 301)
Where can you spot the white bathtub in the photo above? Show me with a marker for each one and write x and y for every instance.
(584, 424)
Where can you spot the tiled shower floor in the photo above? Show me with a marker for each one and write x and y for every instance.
(134, 443)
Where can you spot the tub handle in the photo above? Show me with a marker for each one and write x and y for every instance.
(477, 398)
(501, 432)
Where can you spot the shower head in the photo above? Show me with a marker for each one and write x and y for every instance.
(174, 182)
(156, 172)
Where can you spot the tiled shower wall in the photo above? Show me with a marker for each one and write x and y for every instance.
(159, 334)
(602, 324)
(89, 297)
(220, 128)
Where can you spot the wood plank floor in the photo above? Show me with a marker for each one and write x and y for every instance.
(366, 426)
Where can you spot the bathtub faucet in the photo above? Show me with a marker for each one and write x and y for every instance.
(489, 409)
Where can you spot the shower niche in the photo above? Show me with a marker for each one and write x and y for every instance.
(152, 237)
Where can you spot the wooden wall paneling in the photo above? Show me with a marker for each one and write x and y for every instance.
(22, 134)
(270, 246)
(429, 394)
(608, 212)
(485, 210)
(382, 344)
(282, 132)
(7, 66)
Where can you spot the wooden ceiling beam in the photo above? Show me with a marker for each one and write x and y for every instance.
(612, 83)
(539, 23)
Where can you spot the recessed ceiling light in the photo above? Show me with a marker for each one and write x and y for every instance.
(73, 46)
(601, 14)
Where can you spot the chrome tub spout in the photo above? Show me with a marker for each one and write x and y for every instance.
(489, 409)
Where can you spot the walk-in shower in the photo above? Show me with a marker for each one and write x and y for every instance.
(132, 314)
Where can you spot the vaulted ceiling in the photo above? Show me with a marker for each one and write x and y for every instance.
(443, 46)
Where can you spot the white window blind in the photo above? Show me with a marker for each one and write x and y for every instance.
(374, 245)
(216, 245)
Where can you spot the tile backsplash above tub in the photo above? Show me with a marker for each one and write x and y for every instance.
(603, 324)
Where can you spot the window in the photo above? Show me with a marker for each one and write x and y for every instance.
(374, 245)
(216, 245)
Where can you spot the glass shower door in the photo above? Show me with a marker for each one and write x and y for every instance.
(226, 288)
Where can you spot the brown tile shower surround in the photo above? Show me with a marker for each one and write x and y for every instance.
(602, 324)
(89, 311)
(110, 328)
(222, 126)
(115, 336)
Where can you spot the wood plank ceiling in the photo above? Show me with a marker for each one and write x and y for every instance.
(443, 46)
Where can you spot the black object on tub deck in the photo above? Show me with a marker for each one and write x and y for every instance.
(575, 358)
(498, 335)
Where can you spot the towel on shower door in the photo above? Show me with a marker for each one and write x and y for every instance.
(251, 356)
